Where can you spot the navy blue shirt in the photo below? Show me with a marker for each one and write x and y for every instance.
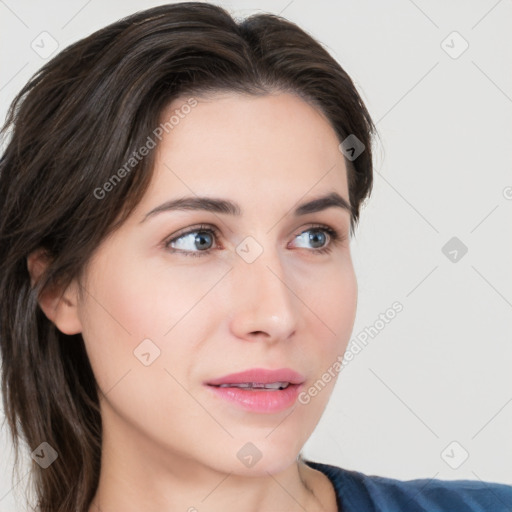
(358, 492)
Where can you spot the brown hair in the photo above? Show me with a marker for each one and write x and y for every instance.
(74, 124)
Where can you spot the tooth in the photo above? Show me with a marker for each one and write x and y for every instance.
(277, 385)
(274, 385)
(257, 385)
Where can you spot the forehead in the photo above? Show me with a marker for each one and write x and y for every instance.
(257, 148)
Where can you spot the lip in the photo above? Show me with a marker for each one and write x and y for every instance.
(260, 401)
(260, 375)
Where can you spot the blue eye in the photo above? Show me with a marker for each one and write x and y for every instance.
(317, 235)
(198, 238)
(198, 241)
(314, 236)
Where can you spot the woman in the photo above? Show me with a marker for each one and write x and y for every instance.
(178, 196)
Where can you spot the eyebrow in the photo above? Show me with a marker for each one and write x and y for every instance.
(224, 206)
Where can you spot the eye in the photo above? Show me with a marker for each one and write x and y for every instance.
(201, 238)
(323, 238)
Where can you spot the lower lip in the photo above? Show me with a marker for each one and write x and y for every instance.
(259, 400)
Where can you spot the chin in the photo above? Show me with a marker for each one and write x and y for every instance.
(262, 456)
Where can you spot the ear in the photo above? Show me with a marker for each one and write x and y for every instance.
(60, 306)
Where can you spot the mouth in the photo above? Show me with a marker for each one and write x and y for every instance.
(257, 386)
(259, 377)
(259, 390)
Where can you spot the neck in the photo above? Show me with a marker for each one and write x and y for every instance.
(292, 490)
(140, 474)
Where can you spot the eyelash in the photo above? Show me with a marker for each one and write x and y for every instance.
(335, 238)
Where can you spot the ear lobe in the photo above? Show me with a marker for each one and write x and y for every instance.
(60, 306)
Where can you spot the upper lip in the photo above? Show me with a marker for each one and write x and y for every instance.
(260, 376)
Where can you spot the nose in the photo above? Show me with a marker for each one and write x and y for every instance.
(264, 304)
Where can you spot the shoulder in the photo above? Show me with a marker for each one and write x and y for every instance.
(357, 491)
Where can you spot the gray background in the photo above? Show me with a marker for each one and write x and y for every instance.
(435, 383)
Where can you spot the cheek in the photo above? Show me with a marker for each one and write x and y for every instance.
(335, 304)
(332, 297)
(335, 308)
(346, 300)
(130, 302)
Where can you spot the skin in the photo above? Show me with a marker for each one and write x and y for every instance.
(168, 442)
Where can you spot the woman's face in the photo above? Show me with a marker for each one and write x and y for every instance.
(166, 315)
